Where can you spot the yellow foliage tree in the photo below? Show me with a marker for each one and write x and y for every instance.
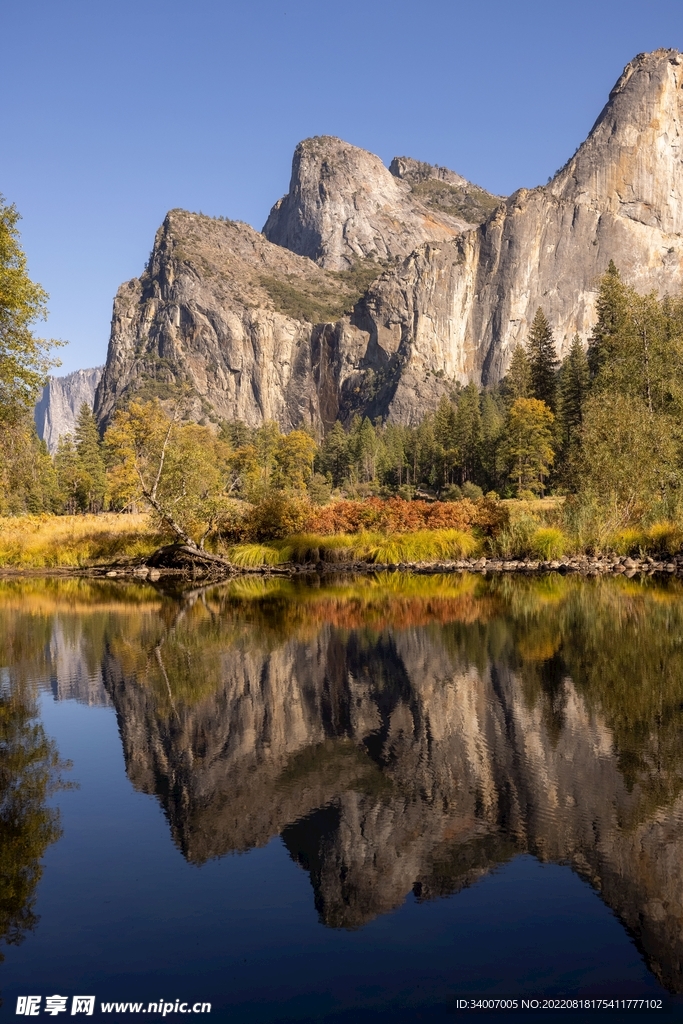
(181, 470)
(528, 445)
(294, 460)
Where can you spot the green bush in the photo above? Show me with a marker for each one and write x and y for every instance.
(472, 491)
(549, 542)
(319, 489)
(515, 539)
(252, 555)
(629, 541)
(664, 539)
(424, 546)
(451, 493)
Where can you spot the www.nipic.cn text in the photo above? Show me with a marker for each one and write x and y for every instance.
(33, 1006)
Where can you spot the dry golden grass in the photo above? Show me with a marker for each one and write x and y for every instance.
(418, 546)
(538, 506)
(48, 542)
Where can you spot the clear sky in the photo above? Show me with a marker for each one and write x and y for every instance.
(115, 111)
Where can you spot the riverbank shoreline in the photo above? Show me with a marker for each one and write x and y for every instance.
(215, 572)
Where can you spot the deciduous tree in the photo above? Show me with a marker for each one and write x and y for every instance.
(24, 359)
(528, 444)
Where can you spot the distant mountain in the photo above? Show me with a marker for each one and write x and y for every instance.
(57, 409)
(375, 290)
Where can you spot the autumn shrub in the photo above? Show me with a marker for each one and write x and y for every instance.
(234, 524)
(548, 542)
(395, 515)
(279, 515)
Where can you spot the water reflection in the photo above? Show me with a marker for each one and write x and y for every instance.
(29, 772)
(401, 734)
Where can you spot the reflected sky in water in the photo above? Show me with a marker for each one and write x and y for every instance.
(353, 801)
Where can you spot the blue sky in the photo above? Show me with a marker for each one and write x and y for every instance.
(114, 112)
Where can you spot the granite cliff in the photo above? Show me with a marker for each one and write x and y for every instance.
(344, 205)
(374, 290)
(57, 409)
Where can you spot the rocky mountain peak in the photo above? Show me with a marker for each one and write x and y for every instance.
(374, 290)
(344, 205)
(416, 171)
(445, 192)
(630, 164)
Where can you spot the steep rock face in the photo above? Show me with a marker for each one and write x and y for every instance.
(266, 330)
(461, 306)
(344, 205)
(231, 315)
(57, 409)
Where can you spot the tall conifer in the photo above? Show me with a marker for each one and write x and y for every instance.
(468, 431)
(612, 311)
(91, 462)
(542, 360)
(517, 382)
(574, 380)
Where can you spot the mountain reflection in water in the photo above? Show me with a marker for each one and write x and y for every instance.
(401, 734)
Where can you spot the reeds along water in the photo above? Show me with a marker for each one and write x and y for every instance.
(401, 733)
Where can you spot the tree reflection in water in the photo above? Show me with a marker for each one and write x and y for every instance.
(410, 733)
(29, 773)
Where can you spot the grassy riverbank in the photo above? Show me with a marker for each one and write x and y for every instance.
(515, 529)
(51, 542)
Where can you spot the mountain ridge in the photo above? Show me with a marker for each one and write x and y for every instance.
(425, 300)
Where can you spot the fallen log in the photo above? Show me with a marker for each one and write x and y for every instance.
(187, 557)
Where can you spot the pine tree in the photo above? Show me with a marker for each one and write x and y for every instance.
(445, 437)
(492, 424)
(267, 440)
(69, 474)
(393, 455)
(468, 432)
(91, 461)
(334, 458)
(573, 388)
(236, 433)
(366, 451)
(517, 383)
(542, 361)
(612, 310)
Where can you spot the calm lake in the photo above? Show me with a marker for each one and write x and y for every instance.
(353, 800)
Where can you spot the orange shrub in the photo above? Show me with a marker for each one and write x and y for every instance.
(396, 515)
